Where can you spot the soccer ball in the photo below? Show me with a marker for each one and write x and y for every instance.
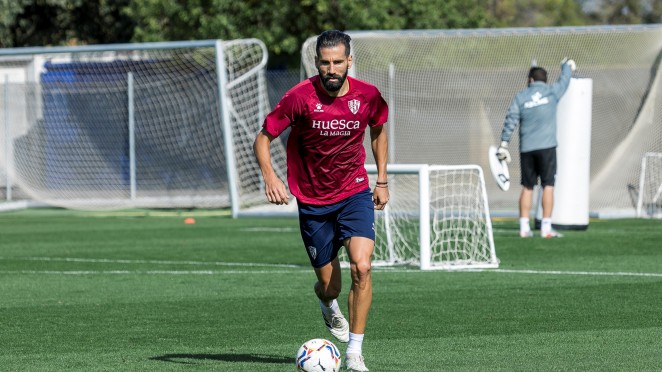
(318, 355)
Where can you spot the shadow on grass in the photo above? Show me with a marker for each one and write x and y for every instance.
(251, 358)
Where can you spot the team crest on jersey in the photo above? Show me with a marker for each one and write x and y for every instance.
(354, 105)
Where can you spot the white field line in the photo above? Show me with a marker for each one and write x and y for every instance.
(295, 268)
(155, 262)
(589, 273)
(149, 272)
(270, 229)
(523, 271)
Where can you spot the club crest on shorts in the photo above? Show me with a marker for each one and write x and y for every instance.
(312, 251)
(354, 105)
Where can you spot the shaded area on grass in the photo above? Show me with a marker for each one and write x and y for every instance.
(248, 358)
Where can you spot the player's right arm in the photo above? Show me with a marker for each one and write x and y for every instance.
(282, 116)
(274, 188)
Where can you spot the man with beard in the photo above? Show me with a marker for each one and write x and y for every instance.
(328, 115)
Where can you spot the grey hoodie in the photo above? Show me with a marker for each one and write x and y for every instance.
(534, 110)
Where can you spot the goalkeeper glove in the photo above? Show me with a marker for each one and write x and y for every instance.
(569, 62)
(502, 152)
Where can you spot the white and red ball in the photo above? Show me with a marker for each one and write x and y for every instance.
(318, 355)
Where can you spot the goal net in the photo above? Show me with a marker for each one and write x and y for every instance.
(649, 201)
(448, 92)
(156, 125)
(437, 218)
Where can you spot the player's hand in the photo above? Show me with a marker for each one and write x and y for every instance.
(569, 62)
(503, 153)
(380, 197)
(276, 191)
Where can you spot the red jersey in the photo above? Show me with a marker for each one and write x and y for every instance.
(325, 153)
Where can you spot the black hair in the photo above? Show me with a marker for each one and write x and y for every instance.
(331, 38)
(538, 74)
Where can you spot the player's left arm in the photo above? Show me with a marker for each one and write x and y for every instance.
(562, 83)
(379, 143)
(511, 121)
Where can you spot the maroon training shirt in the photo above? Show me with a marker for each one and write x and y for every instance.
(325, 154)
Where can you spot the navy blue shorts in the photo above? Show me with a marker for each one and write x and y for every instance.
(538, 163)
(325, 227)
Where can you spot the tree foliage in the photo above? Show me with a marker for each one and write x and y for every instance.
(60, 22)
(537, 13)
(284, 24)
(10, 9)
(627, 12)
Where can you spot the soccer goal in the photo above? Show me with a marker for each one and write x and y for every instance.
(437, 218)
(143, 125)
(649, 202)
(455, 87)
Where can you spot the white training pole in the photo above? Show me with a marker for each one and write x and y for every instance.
(132, 138)
(573, 156)
(8, 143)
(640, 197)
(391, 113)
(571, 192)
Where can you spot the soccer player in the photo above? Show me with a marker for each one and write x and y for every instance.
(328, 115)
(534, 110)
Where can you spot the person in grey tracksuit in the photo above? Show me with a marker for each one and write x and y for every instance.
(534, 110)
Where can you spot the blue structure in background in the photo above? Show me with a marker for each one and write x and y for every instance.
(80, 117)
(178, 135)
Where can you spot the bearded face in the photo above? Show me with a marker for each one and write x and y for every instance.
(332, 82)
(332, 67)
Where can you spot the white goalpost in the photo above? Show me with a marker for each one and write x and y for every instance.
(649, 200)
(141, 125)
(437, 218)
(448, 92)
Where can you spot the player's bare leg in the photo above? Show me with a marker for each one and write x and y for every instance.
(360, 298)
(525, 201)
(524, 209)
(360, 294)
(329, 281)
(547, 201)
(327, 289)
(546, 230)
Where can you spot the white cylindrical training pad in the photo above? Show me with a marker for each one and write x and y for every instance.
(573, 154)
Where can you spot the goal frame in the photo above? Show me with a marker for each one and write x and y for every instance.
(424, 216)
(429, 76)
(641, 212)
(233, 197)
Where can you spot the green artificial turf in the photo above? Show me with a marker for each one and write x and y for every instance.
(142, 291)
